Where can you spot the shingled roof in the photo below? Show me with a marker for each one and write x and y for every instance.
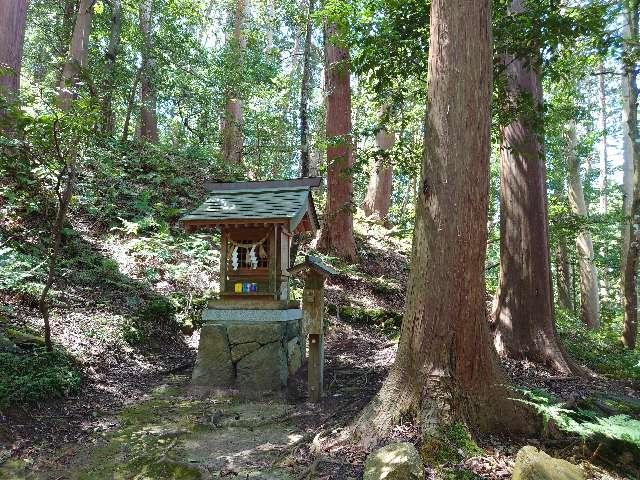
(285, 202)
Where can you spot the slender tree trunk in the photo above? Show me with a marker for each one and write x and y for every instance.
(130, 104)
(378, 197)
(523, 319)
(589, 285)
(64, 199)
(445, 368)
(563, 275)
(232, 120)
(337, 232)
(78, 53)
(148, 95)
(13, 15)
(76, 61)
(632, 202)
(70, 8)
(108, 115)
(304, 94)
(604, 158)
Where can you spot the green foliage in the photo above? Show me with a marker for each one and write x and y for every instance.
(386, 321)
(19, 272)
(601, 350)
(154, 320)
(585, 423)
(37, 376)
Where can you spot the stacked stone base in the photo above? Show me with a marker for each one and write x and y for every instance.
(251, 355)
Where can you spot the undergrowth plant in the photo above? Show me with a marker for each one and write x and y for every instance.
(40, 375)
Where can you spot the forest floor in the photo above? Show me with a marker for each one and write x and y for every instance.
(136, 416)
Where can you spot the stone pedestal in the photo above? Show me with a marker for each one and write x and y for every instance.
(253, 350)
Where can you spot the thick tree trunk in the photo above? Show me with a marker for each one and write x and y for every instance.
(337, 232)
(523, 319)
(148, 95)
(108, 115)
(13, 15)
(445, 368)
(563, 275)
(378, 197)
(589, 285)
(78, 53)
(304, 94)
(231, 121)
(632, 202)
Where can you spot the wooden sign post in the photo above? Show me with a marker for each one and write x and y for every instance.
(313, 324)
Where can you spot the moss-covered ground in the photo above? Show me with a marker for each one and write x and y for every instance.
(179, 434)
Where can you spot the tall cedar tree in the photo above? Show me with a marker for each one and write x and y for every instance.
(378, 198)
(148, 94)
(523, 309)
(337, 232)
(231, 121)
(108, 115)
(304, 93)
(589, 284)
(13, 14)
(632, 185)
(445, 369)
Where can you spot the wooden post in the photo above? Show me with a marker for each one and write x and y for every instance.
(313, 311)
(316, 367)
(312, 319)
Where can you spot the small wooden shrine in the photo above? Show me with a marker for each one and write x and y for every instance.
(257, 221)
(253, 335)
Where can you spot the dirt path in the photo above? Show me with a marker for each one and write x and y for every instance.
(179, 432)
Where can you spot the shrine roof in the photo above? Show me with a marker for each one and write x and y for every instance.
(283, 201)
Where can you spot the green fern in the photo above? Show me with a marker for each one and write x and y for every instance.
(585, 423)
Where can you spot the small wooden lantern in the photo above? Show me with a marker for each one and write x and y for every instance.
(313, 315)
(257, 221)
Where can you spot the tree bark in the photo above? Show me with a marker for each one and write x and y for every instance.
(108, 115)
(378, 197)
(604, 158)
(563, 275)
(232, 120)
(148, 94)
(445, 369)
(304, 94)
(523, 318)
(78, 54)
(632, 203)
(336, 236)
(589, 285)
(13, 15)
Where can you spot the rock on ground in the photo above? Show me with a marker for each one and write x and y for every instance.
(534, 464)
(396, 461)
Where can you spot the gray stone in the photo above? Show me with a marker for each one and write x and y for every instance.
(251, 315)
(264, 369)
(294, 355)
(242, 350)
(255, 332)
(213, 364)
(534, 464)
(396, 461)
(293, 329)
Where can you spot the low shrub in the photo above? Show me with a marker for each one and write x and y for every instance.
(36, 376)
(601, 350)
